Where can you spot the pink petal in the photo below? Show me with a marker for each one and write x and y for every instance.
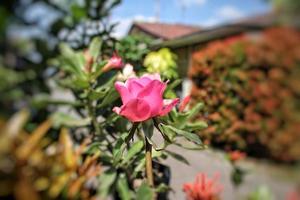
(145, 80)
(184, 103)
(123, 91)
(152, 94)
(117, 110)
(136, 110)
(168, 107)
(134, 87)
(152, 76)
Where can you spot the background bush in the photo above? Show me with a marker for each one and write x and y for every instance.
(251, 89)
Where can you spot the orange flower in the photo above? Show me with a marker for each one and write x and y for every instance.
(236, 155)
(203, 188)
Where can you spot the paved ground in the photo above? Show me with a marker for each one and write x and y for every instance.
(280, 180)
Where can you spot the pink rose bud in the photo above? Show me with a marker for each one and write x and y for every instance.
(203, 188)
(115, 62)
(142, 98)
(184, 103)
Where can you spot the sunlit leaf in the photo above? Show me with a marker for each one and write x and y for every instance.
(24, 151)
(94, 48)
(69, 157)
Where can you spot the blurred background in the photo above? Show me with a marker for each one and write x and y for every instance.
(241, 58)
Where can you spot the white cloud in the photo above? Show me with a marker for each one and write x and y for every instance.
(189, 3)
(229, 12)
(124, 23)
(223, 14)
(210, 22)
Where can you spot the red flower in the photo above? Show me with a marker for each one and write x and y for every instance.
(203, 188)
(236, 155)
(184, 103)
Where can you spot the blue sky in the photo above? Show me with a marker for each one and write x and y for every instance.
(197, 12)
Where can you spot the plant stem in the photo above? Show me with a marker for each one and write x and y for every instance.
(131, 133)
(91, 112)
(149, 170)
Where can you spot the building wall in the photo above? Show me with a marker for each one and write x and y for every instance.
(184, 58)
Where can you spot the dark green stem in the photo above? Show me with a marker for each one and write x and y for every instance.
(131, 133)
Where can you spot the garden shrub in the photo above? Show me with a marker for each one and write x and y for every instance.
(251, 89)
(69, 144)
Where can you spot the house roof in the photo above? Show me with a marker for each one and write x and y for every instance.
(253, 23)
(165, 31)
(264, 19)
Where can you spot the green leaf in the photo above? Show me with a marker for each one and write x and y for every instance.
(98, 94)
(72, 62)
(105, 182)
(134, 149)
(182, 118)
(118, 151)
(43, 100)
(188, 135)
(62, 119)
(170, 134)
(144, 192)
(162, 188)
(141, 165)
(178, 157)
(199, 125)
(122, 188)
(262, 192)
(190, 146)
(109, 98)
(95, 46)
(93, 148)
(78, 12)
(74, 82)
(174, 84)
(98, 66)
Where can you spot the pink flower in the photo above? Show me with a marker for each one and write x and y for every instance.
(115, 62)
(142, 98)
(203, 188)
(184, 103)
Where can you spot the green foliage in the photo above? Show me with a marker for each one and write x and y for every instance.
(262, 192)
(144, 192)
(162, 62)
(133, 49)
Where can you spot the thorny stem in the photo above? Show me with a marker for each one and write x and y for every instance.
(149, 170)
